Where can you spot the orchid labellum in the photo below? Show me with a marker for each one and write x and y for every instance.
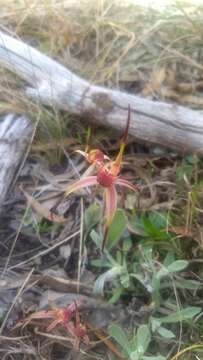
(107, 176)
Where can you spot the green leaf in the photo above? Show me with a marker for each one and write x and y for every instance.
(174, 267)
(169, 259)
(165, 333)
(135, 355)
(120, 337)
(127, 244)
(107, 276)
(156, 295)
(116, 295)
(125, 279)
(92, 216)
(158, 219)
(155, 324)
(184, 169)
(117, 228)
(96, 238)
(177, 265)
(187, 284)
(155, 224)
(184, 314)
(136, 226)
(143, 338)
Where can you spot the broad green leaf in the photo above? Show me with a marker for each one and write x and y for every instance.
(184, 314)
(155, 324)
(169, 259)
(158, 219)
(120, 337)
(117, 228)
(165, 333)
(143, 338)
(96, 238)
(101, 263)
(174, 267)
(116, 295)
(154, 225)
(136, 226)
(92, 216)
(177, 265)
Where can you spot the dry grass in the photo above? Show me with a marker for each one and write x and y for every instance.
(152, 53)
(146, 51)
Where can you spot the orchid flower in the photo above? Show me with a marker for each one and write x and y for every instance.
(59, 316)
(108, 177)
(63, 316)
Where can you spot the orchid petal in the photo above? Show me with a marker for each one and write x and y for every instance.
(53, 325)
(110, 209)
(43, 315)
(82, 183)
(111, 203)
(123, 182)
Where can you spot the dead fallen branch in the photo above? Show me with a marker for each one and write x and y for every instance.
(15, 131)
(52, 84)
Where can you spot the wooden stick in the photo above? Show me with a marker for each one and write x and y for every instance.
(14, 134)
(168, 125)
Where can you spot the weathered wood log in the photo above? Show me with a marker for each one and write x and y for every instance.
(168, 125)
(14, 134)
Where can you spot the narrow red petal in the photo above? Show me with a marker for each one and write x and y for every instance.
(53, 325)
(42, 315)
(80, 184)
(111, 203)
(123, 182)
(110, 209)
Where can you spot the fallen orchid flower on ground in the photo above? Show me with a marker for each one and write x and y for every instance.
(68, 318)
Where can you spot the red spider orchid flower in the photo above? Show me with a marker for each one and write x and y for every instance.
(64, 317)
(60, 316)
(108, 177)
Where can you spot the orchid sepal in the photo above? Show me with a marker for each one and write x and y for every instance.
(123, 182)
(81, 184)
(110, 210)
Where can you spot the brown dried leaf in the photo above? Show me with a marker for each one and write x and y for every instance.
(42, 211)
(62, 284)
(105, 339)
